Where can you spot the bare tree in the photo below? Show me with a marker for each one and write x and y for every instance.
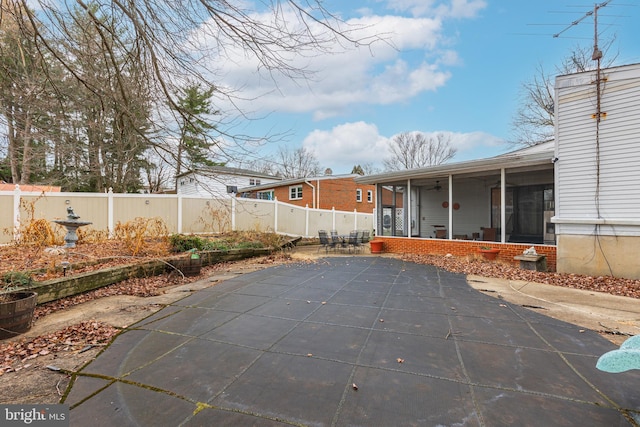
(410, 150)
(297, 163)
(533, 121)
(167, 45)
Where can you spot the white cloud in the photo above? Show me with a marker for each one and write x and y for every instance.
(347, 145)
(441, 9)
(360, 143)
(407, 59)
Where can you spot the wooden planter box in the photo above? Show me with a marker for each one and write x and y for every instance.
(188, 266)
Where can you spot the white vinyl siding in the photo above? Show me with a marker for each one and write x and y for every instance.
(214, 186)
(576, 169)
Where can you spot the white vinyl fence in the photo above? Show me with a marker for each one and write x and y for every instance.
(180, 214)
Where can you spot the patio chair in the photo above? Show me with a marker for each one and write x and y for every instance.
(353, 241)
(365, 237)
(325, 241)
(337, 241)
(488, 234)
(441, 233)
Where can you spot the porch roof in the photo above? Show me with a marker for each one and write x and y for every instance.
(530, 158)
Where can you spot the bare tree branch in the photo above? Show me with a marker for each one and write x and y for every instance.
(410, 150)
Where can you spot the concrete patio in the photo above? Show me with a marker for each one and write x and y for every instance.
(352, 341)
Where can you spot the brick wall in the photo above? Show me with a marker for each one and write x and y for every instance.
(339, 193)
(461, 248)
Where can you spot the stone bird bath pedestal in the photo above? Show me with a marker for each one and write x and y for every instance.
(72, 224)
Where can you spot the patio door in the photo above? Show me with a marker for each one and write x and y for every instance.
(525, 212)
(415, 211)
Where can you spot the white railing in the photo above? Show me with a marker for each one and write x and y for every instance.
(180, 213)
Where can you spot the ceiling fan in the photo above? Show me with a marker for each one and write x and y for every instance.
(436, 187)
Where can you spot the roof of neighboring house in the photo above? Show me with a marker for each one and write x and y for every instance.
(539, 154)
(28, 187)
(218, 170)
(293, 181)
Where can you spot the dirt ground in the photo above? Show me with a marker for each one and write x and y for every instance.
(44, 377)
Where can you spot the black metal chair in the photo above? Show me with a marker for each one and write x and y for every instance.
(337, 241)
(365, 237)
(325, 241)
(353, 241)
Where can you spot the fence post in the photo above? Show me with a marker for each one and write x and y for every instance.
(355, 219)
(306, 220)
(16, 213)
(110, 225)
(179, 207)
(275, 215)
(333, 217)
(234, 207)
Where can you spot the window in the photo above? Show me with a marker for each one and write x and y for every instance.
(232, 189)
(265, 195)
(370, 196)
(358, 195)
(253, 181)
(295, 192)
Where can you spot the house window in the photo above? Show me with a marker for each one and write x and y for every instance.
(295, 192)
(253, 181)
(358, 195)
(265, 195)
(370, 196)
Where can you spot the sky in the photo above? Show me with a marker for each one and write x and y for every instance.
(454, 67)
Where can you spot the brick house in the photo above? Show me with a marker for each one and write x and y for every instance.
(324, 192)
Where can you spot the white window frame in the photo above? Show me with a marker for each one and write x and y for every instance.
(358, 195)
(370, 196)
(295, 192)
(271, 194)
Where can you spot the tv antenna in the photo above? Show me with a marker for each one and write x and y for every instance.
(599, 114)
(597, 53)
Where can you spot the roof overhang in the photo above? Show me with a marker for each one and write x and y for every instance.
(516, 161)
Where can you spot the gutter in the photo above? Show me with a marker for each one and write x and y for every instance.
(314, 192)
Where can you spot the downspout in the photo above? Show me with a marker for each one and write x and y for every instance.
(313, 199)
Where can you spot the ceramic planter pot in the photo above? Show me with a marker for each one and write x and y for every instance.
(490, 254)
(376, 246)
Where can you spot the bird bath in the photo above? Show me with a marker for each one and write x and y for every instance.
(71, 224)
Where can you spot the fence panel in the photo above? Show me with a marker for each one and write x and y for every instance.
(291, 219)
(196, 214)
(254, 214)
(319, 220)
(127, 207)
(364, 222)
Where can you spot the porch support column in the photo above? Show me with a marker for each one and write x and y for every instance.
(408, 212)
(503, 208)
(450, 207)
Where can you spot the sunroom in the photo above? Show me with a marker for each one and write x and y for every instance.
(504, 200)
